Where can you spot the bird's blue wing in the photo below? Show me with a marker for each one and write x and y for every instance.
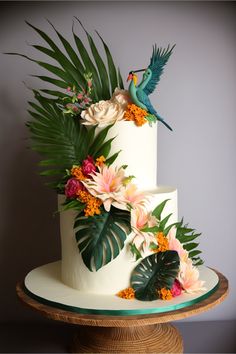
(158, 61)
(144, 99)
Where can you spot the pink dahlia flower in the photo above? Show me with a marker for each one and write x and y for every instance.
(88, 166)
(176, 289)
(72, 187)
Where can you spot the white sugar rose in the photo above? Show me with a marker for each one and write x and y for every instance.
(122, 97)
(103, 113)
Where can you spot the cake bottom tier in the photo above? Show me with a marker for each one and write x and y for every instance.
(44, 284)
(115, 275)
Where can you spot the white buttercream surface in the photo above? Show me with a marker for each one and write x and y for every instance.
(45, 282)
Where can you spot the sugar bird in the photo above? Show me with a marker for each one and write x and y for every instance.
(151, 77)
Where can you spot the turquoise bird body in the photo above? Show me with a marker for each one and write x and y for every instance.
(151, 77)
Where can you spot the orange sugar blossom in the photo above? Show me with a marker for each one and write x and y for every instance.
(127, 294)
(100, 161)
(163, 244)
(92, 203)
(136, 114)
(165, 294)
(76, 172)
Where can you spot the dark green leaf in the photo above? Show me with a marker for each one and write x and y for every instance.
(194, 253)
(90, 67)
(154, 272)
(158, 210)
(100, 238)
(120, 81)
(152, 229)
(111, 66)
(135, 251)
(104, 149)
(164, 222)
(98, 141)
(70, 51)
(73, 204)
(100, 65)
(112, 158)
(58, 83)
(190, 246)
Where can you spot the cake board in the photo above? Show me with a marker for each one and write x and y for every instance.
(109, 331)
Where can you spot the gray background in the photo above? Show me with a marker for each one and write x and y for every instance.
(196, 95)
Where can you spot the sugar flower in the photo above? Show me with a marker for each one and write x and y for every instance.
(88, 166)
(103, 113)
(176, 289)
(139, 219)
(121, 97)
(133, 196)
(72, 187)
(107, 185)
(189, 277)
(176, 245)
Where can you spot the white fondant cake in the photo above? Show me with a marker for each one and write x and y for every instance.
(139, 152)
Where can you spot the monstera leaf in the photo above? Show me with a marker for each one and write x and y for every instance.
(101, 238)
(156, 271)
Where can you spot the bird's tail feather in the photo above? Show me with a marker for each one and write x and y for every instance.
(167, 125)
(162, 121)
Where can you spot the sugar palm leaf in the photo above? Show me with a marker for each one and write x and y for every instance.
(100, 238)
(61, 140)
(72, 64)
(154, 272)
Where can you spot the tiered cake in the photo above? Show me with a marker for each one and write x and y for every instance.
(138, 147)
(120, 233)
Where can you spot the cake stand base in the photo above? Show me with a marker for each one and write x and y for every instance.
(109, 333)
(157, 338)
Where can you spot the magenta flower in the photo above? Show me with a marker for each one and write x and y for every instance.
(176, 288)
(72, 187)
(88, 166)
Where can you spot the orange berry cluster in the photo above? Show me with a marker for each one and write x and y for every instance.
(92, 203)
(163, 244)
(100, 161)
(165, 294)
(136, 114)
(76, 172)
(127, 293)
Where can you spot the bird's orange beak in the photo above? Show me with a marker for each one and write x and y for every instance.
(130, 77)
